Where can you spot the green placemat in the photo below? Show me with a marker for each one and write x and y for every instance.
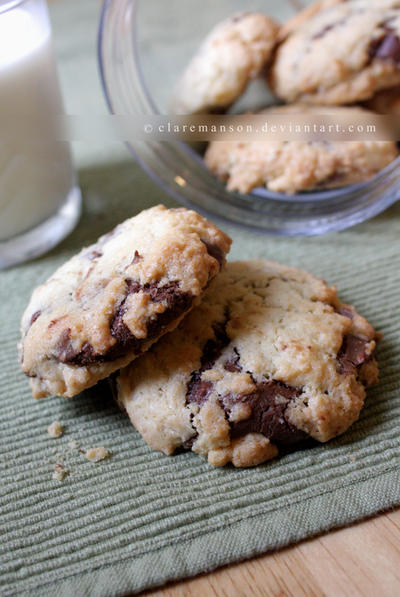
(140, 518)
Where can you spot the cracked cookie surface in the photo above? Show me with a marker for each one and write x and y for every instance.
(234, 52)
(270, 357)
(339, 52)
(109, 303)
(293, 166)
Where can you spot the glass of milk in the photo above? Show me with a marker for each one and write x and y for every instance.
(39, 200)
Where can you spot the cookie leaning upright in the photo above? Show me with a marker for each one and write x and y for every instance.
(270, 357)
(110, 302)
(339, 53)
(233, 53)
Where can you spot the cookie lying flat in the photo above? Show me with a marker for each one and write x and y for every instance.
(270, 357)
(342, 52)
(234, 52)
(109, 303)
(292, 166)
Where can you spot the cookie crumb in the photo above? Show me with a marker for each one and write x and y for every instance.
(55, 429)
(60, 472)
(73, 445)
(97, 454)
(352, 458)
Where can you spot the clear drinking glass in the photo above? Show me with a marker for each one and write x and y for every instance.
(39, 200)
(144, 45)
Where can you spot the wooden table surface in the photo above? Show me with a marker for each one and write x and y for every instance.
(359, 561)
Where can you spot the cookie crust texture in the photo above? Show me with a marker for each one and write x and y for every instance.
(338, 52)
(109, 303)
(233, 53)
(270, 357)
(294, 166)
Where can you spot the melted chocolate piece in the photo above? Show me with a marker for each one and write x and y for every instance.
(214, 251)
(386, 47)
(327, 28)
(267, 413)
(161, 294)
(137, 257)
(352, 354)
(94, 255)
(177, 303)
(34, 317)
(233, 365)
(188, 444)
(346, 312)
(268, 405)
(86, 356)
(198, 391)
(64, 350)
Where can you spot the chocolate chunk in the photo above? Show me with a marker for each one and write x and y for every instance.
(177, 303)
(352, 354)
(188, 444)
(86, 356)
(323, 31)
(386, 47)
(64, 349)
(199, 391)
(211, 352)
(94, 255)
(346, 312)
(268, 402)
(214, 251)
(34, 317)
(268, 405)
(163, 294)
(137, 257)
(327, 28)
(122, 334)
(233, 365)
(132, 287)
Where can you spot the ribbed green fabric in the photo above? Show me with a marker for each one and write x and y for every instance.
(140, 518)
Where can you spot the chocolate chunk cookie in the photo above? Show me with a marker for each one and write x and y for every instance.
(339, 52)
(269, 358)
(108, 304)
(293, 166)
(234, 52)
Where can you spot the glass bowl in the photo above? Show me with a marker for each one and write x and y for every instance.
(143, 47)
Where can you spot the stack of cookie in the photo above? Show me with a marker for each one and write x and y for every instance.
(334, 53)
(231, 361)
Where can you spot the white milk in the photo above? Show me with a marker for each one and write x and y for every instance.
(35, 179)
